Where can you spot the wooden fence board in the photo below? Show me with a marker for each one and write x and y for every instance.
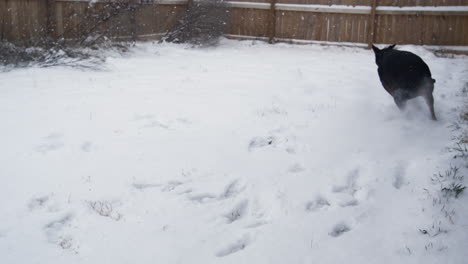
(22, 20)
(168, 16)
(3, 14)
(146, 20)
(422, 30)
(322, 27)
(249, 22)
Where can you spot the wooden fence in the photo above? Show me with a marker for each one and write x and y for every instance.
(347, 22)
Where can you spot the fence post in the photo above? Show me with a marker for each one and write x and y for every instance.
(372, 22)
(272, 22)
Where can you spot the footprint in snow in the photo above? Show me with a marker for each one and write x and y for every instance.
(46, 202)
(37, 203)
(238, 212)
(339, 229)
(140, 117)
(143, 186)
(53, 142)
(259, 142)
(296, 168)
(202, 197)
(232, 248)
(60, 223)
(53, 136)
(171, 185)
(157, 123)
(231, 190)
(56, 233)
(150, 121)
(350, 186)
(167, 187)
(399, 178)
(317, 204)
(86, 146)
(271, 111)
(106, 209)
(348, 201)
(290, 150)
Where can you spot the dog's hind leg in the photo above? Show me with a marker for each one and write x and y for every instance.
(399, 96)
(430, 102)
(400, 103)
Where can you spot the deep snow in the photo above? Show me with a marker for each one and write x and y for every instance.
(244, 153)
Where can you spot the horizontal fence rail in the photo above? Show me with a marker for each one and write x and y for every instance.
(348, 9)
(345, 22)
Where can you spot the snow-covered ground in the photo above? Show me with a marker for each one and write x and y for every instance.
(244, 153)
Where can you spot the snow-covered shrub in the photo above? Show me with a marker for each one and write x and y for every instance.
(51, 54)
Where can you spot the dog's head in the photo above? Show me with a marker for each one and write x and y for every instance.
(379, 53)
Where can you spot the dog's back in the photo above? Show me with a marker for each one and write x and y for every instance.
(404, 70)
(405, 76)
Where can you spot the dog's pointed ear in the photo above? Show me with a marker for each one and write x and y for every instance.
(391, 46)
(376, 50)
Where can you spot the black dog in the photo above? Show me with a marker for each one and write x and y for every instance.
(405, 76)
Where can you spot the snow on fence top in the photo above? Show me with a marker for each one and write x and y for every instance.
(347, 9)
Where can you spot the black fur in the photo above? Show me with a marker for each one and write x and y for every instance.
(404, 76)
